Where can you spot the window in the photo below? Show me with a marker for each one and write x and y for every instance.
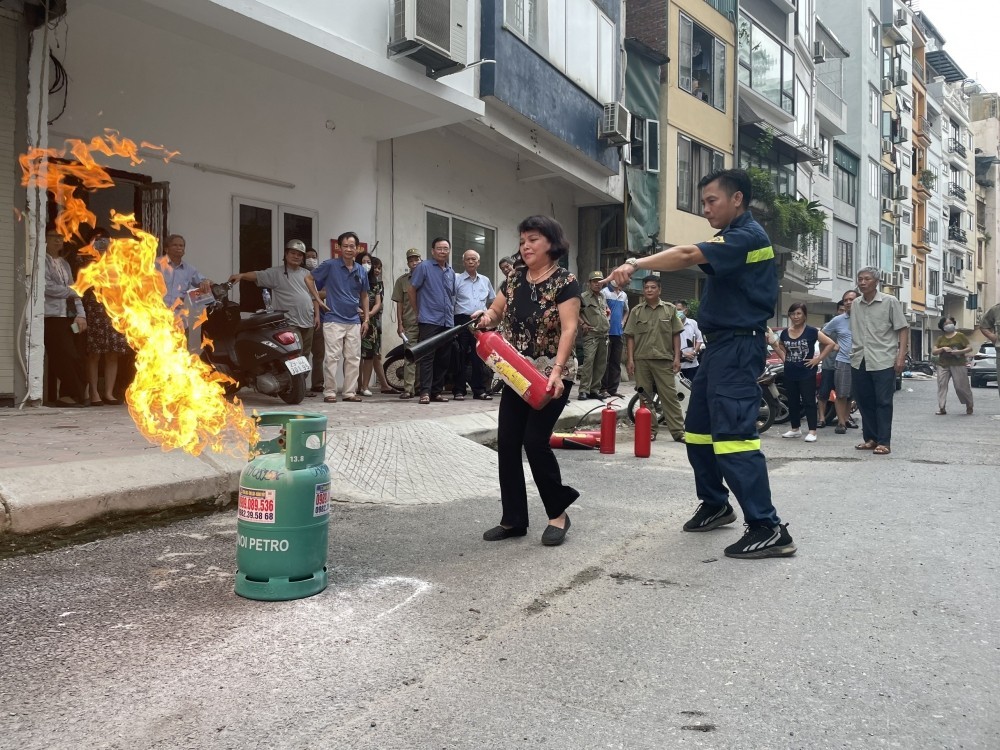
(702, 67)
(934, 282)
(694, 161)
(845, 259)
(874, 179)
(765, 65)
(845, 176)
(464, 235)
(874, 105)
(932, 230)
(803, 113)
(823, 250)
(824, 146)
(874, 35)
(645, 145)
(574, 35)
(873, 249)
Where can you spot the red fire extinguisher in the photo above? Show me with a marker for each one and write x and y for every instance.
(514, 368)
(643, 427)
(609, 424)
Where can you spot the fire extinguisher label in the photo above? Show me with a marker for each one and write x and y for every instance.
(256, 506)
(322, 505)
(508, 373)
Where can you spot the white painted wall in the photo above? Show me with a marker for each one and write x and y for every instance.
(223, 111)
(446, 171)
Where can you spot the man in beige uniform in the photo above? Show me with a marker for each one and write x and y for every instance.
(595, 323)
(653, 345)
(989, 326)
(406, 319)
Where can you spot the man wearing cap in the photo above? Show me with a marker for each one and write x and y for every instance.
(618, 307)
(473, 292)
(595, 324)
(293, 291)
(406, 319)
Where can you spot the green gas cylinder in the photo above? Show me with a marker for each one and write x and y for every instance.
(284, 511)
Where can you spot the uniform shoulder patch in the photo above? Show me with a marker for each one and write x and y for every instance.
(717, 239)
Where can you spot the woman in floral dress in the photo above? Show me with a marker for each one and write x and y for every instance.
(537, 309)
(371, 342)
(102, 339)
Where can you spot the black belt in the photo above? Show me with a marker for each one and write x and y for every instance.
(717, 336)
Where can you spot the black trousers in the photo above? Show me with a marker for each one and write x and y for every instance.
(466, 359)
(613, 372)
(64, 358)
(873, 390)
(318, 354)
(521, 427)
(801, 397)
(434, 366)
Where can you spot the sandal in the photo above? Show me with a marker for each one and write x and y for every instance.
(881, 450)
(355, 399)
(424, 400)
(868, 445)
(483, 397)
(388, 390)
(439, 399)
(405, 395)
(330, 399)
(459, 397)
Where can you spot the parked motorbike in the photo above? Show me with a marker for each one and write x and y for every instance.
(917, 365)
(262, 351)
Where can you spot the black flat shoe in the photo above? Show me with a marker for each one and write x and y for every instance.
(553, 536)
(498, 533)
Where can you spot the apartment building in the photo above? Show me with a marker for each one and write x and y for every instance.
(401, 120)
(984, 113)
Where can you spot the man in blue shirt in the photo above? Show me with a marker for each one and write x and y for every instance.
(473, 292)
(740, 293)
(432, 294)
(346, 287)
(618, 305)
(180, 277)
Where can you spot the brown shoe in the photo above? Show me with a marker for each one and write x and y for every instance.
(355, 399)
(968, 410)
(330, 399)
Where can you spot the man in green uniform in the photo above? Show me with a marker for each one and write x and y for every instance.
(406, 319)
(989, 326)
(653, 346)
(595, 324)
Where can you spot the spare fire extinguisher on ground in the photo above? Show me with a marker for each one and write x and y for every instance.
(609, 424)
(643, 427)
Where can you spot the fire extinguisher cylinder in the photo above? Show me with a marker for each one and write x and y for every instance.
(609, 425)
(643, 427)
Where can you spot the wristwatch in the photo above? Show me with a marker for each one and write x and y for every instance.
(634, 262)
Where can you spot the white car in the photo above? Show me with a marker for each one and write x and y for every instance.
(983, 367)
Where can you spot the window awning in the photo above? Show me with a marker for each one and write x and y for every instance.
(945, 64)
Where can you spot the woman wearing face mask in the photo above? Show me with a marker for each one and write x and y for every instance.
(102, 339)
(371, 342)
(951, 349)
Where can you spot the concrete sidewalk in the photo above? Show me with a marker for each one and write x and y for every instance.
(62, 467)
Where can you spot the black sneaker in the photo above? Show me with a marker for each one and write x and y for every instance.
(763, 541)
(852, 424)
(709, 517)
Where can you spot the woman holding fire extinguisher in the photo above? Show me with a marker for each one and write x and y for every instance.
(536, 309)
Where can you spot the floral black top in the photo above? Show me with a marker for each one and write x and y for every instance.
(531, 321)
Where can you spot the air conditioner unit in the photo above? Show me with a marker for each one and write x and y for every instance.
(901, 18)
(904, 135)
(902, 78)
(886, 206)
(614, 125)
(895, 279)
(949, 277)
(886, 85)
(887, 145)
(902, 251)
(430, 32)
(902, 193)
(819, 52)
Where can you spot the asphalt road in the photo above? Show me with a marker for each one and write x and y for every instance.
(882, 632)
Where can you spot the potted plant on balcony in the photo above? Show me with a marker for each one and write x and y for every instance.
(927, 179)
(790, 222)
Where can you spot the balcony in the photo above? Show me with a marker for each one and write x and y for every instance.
(831, 109)
(918, 70)
(725, 7)
(956, 191)
(922, 129)
(957, 234)
(922, 239)
(955, 146)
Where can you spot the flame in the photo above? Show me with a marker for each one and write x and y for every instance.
(176, 400)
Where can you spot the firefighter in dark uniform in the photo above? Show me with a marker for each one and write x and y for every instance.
(739, 297)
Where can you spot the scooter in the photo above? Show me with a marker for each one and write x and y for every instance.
(261, 351)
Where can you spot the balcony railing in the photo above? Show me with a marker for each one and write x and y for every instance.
(833, 102)
(956, 147)
(924, 126)
(923, 237)
(958, 235)
(725, 7)
(918, 69)
(956, 190)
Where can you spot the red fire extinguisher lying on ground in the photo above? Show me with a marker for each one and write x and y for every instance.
(514, 368)
(603, 438)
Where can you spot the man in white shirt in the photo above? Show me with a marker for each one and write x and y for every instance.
(473, 292)
(691, 341)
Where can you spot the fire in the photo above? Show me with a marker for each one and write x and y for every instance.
(176, 400)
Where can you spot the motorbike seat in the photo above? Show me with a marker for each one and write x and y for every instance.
(259, 321)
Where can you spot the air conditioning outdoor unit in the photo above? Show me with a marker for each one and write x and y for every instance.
(431, 32)
(904, 135)
(887, 145)
(886, 206)
(901, 18)
(819, 52)
(886, 85)
(902, 78)
(895, 279)
(902, 251)
(614, 125)
(949, 277)
(902, 192)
